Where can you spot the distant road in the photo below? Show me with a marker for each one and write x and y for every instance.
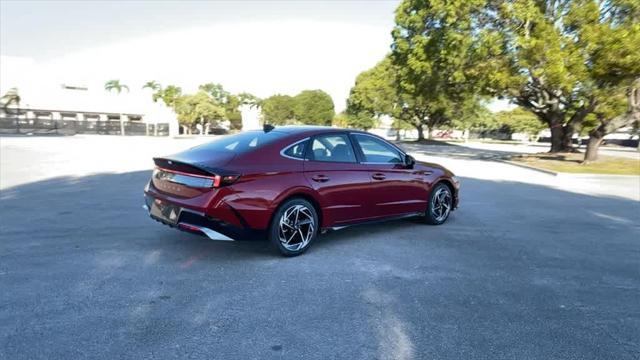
(625, 152)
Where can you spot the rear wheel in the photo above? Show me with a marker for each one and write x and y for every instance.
(293, 227)
(440, 205)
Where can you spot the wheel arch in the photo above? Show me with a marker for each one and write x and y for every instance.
(306, 194)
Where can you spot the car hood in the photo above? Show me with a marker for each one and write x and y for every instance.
(428, 165)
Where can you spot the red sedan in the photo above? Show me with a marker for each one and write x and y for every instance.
(289, 184)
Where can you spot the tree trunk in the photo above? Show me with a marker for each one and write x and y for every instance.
(595, 139)
(560, 133)
(557, 139)
(567, 138)
(420, 132)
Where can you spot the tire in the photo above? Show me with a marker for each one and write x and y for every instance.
(440, 205)
(294, 227)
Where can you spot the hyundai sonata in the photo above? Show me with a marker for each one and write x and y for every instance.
(289, 184)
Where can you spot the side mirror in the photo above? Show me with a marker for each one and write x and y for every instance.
(409, 161)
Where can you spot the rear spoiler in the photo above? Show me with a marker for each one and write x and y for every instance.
(189, 168)
(171, 164)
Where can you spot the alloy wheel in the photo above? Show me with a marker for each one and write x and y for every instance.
(441, 204)
(296, 227)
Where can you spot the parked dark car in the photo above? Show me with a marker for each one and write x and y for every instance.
(289, 184)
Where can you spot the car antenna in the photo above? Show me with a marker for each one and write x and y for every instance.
(268, 127)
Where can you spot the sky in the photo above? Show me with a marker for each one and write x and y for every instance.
(255, 46)
(261, 47)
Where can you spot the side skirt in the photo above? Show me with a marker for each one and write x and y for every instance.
(372, 221)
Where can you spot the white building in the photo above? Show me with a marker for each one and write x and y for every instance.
(43, 96)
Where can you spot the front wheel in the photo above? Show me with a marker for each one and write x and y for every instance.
(440, 205)
(293, 227)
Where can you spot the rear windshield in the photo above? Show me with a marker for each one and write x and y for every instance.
(242, 142)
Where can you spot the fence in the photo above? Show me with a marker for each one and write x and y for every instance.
(71, 127)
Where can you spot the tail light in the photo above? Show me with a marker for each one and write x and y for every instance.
(193, 180)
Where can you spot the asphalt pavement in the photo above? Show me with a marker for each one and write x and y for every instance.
(529, 267)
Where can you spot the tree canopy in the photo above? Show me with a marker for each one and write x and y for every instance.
(198, 108)
(278, 109)
(434, 57)
(168, 95)
(314, 107)
(560, 59)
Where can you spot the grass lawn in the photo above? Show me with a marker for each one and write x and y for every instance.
(571, 163)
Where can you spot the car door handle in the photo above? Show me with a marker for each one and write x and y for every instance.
(320, 178)
(378, 176)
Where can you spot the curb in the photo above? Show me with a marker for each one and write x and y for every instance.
(544, 171)
(566, 174)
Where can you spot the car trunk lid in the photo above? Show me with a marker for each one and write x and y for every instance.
(191, 173)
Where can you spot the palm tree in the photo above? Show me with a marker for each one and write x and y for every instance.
(12, 98)
(115, 85)
(153, 85)
(156, 93)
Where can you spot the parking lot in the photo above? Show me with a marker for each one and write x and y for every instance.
(531, 266)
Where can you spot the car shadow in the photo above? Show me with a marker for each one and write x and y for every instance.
(105, 211)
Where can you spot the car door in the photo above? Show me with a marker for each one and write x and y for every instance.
(396, 188)
(343, 184)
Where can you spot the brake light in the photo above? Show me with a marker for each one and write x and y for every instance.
(228, 179)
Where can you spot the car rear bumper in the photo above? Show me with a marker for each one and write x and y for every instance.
(176, 216)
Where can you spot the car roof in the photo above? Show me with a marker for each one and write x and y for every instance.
(309, 129)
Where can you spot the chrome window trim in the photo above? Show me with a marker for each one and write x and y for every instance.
(380, 163)
(282, 152)
(404, 154)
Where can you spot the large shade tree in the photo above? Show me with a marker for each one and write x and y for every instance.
(434, 58)
(560, 59)
(614, 111)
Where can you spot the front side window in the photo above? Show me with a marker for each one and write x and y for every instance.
(332, 147)
(377, 151)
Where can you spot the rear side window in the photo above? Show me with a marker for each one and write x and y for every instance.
(333, 148)
(377, 151)
(296, 150)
